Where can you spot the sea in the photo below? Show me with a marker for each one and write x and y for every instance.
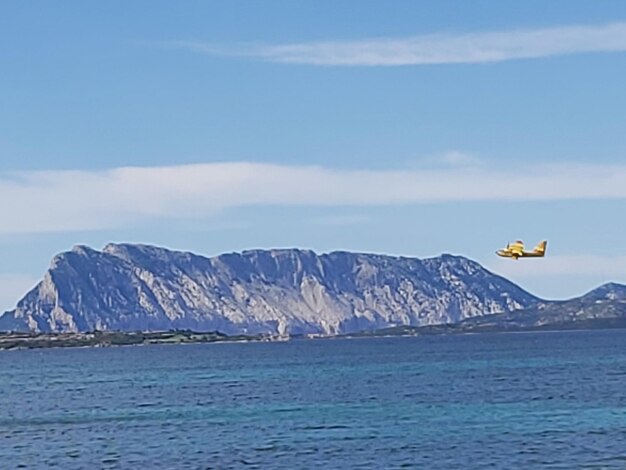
(552, 400)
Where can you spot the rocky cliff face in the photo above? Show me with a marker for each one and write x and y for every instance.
(137, 287)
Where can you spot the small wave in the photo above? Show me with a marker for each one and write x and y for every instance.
(323, 426)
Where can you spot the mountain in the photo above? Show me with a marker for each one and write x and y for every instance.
(609, 291)
(603, 307)
(137, 287)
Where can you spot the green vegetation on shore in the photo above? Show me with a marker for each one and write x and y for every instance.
(492, 327)
(115, 338)
(486, 324)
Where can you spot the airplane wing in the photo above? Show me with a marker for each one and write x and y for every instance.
(517, 248)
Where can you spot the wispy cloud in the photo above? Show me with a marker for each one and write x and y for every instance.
(572, 265)
(455, 158)
(340, 220)
(447, 48)
(42, 201)
(575, 274)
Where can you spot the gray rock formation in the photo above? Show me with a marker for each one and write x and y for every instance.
(136, 287)
(608, 291)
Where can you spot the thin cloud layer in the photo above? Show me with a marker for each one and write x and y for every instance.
(45, 201)
(450, 48)
(340, 220)
(458, 159)
(572, 265)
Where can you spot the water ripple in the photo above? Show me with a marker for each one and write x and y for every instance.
(545, 400)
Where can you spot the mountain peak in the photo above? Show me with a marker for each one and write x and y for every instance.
(143, 287)
(82, 249)
(608, 291)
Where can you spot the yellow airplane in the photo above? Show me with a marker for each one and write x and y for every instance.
(516, 250)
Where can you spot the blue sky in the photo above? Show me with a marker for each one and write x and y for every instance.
(407, 128)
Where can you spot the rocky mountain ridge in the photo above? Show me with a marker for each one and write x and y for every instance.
(602, 307)
(129, 287)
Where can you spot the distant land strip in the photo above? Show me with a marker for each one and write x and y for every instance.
(15, 340)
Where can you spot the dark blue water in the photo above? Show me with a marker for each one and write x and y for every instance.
(536, 400)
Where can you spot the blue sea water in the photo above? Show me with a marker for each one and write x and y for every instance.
(502, 401)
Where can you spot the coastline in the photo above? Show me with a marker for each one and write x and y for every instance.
(10, 341)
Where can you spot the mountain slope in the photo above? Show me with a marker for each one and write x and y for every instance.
(138, 287)
(602, 307)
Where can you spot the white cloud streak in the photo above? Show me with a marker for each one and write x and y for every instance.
(455, 158)
(340, 220)
(576, 274)
(572, 265)
(449, 48)
(44, 201)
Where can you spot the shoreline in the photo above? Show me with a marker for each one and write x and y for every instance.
(12, 341)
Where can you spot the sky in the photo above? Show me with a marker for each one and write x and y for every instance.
(404, 128)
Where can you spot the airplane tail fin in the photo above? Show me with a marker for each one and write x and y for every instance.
(540, 249)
